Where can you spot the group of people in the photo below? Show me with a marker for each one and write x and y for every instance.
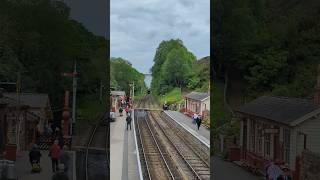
(196, 119)
(59, 157)
(274, 171)
(127, 110)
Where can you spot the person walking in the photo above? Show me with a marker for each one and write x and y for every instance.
(199, 120)
(54, 153)
(128, 119)
(286, 173)
(120, 111)
(61, 174)
(127, 110)
(194, 118)
(274, 171)
(34, 156)
(64, 158)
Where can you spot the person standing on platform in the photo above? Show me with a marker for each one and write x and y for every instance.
(64, 158)
(61, 174)
(54, 153)
(127, 110)
(128, 119)
(274, 171)
(120, 111)
(34, 155)
(198, 121)
(194, 118)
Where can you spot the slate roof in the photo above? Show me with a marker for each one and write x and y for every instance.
(118, 93)
(280, 109)
(197, 96)
(6, 101)
(33, 100)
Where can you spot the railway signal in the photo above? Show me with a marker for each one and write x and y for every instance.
(74, 76)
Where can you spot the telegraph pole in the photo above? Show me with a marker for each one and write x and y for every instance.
(132, 92)
(74, 96)
(101, 88)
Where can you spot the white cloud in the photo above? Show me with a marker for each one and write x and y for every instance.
(138, 26)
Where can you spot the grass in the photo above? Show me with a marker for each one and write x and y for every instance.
(173, 96)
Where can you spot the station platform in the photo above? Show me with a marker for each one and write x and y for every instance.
(23, 167)
(203, 134)
(123, 151)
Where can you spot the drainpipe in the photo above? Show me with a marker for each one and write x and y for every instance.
(304, 139)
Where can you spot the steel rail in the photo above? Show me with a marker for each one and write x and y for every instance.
(177, 149)
(89, 144)
(143, 152)
(164, 160)
(179, 131)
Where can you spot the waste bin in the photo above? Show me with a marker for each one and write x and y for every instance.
(7, 170)
(11, 174)
(11, 150)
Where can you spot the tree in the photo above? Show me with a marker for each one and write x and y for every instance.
(172, 67)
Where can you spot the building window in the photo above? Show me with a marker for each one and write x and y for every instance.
(267, 143)
(252, 135)
(260, 138)
(286, 143)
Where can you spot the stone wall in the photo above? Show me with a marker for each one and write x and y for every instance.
(310, 166)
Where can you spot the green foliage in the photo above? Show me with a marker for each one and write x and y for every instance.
(171, 97)
(40, 41)
(220, 114)
(201, 76)
(275, 44)
(172, 66)
(122, 74)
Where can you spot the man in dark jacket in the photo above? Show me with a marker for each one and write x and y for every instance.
(198, 122)
(34, 155)
(128, 119)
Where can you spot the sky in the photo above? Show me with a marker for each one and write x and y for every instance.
(138, 26)
(93, 14)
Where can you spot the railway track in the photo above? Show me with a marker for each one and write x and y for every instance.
(147, 101)
(155, 162)
(193, 153)
(97, 152)
(167, 150)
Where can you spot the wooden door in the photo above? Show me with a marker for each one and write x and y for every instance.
(276, 147)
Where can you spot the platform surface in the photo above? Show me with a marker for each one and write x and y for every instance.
(23, 167)
(123, 161)
(203, 134)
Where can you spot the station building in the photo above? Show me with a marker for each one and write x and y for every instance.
(116, 97)
(26, 113)
(197, 102)
(278, 128)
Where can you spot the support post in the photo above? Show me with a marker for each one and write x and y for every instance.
(74, 97)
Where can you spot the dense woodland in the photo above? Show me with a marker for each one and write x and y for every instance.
(263, 47)
(274, 44)
(122, 74)
(39, 41)
(176, 67)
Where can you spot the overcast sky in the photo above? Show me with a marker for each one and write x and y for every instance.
(93, 14)
(138, 26)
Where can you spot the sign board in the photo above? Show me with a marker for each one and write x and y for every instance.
(271, 131)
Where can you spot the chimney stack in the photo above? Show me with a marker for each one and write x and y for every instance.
(317, 89)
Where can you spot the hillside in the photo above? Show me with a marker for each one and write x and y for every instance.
(202, 69)
(36, 53)
(122, 74)
(273, 44)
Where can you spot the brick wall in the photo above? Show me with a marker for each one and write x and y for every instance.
(310, 166)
